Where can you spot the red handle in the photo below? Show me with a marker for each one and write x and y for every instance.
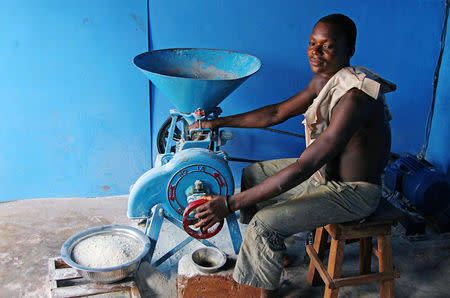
(187, 222)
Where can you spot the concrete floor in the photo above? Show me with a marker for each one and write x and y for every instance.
(32, 231)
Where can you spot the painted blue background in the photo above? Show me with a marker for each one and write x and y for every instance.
(391, 41)
(438, 151)
(75, 113)
(74, 110)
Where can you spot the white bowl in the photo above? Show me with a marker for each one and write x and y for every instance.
(208, 259)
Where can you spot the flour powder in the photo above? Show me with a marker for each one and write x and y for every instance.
(103, 251)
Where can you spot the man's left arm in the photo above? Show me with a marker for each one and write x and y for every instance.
(349, 114)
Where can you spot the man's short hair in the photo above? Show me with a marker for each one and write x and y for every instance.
(344, 24)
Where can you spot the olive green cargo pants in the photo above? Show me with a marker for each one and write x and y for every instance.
(303, 208)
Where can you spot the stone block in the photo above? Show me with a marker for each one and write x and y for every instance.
(192, 282)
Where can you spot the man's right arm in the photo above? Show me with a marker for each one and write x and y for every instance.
(268, 115)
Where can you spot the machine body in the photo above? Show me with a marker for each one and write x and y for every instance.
(190, 164)
(173, 183)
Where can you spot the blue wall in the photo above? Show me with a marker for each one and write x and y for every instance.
(391, 41)
(438, 151)
(74, 111)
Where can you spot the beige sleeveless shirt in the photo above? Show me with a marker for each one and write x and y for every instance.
(318, 115)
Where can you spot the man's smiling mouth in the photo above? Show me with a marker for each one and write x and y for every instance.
(315, 61)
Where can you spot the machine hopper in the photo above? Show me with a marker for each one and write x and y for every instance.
(196, 78)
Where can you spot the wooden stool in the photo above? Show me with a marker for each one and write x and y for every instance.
(379, 224)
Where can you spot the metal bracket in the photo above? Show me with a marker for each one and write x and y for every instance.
(154, 229)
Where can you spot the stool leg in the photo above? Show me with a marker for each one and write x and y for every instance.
(386, 265)
(335, 265)
(320, 243)
(365, 255)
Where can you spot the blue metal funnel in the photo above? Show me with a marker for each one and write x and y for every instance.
(196, 78)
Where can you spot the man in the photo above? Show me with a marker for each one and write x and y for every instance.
(336, 178)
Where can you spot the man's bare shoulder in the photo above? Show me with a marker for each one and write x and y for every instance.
(316, 84)
(353, 104)
(358, 97)
(357, 93)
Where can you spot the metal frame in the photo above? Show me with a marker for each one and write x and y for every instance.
(153, 230)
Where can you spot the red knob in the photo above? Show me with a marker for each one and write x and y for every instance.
(188, 221)
(199, 112)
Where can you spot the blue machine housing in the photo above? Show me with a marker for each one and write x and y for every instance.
(191, 165)
(171, 184)
(423, 185)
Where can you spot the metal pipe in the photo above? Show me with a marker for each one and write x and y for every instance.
(283, 132)
(229, 158)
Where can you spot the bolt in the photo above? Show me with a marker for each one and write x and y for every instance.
(198, 185)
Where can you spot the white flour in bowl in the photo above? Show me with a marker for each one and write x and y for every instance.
(103, 251)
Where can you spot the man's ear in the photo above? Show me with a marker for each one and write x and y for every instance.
(351, 52)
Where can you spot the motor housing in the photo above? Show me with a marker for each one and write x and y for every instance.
(423, 188)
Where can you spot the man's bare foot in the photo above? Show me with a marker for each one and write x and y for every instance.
(268, 293)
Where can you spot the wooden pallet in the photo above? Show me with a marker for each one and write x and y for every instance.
(67, 282)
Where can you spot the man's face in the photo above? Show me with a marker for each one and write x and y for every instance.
(328, 50)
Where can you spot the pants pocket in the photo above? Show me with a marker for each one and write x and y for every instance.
(272, 239)
(339, 186)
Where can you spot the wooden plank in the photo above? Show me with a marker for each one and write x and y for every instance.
(320, 245)
(135, 292)
(59, 263)
(360, 279)
(51, 269)
(377, 224)
(365, 255)
(340, 232)
(317, 263)
(92, 289)
(376, 252)
(333, 230)
(386, 214)
(385, 265)
(64, 273)
(60, 271)
(335, 260)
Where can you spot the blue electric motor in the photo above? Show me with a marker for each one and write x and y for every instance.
(425, 188)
